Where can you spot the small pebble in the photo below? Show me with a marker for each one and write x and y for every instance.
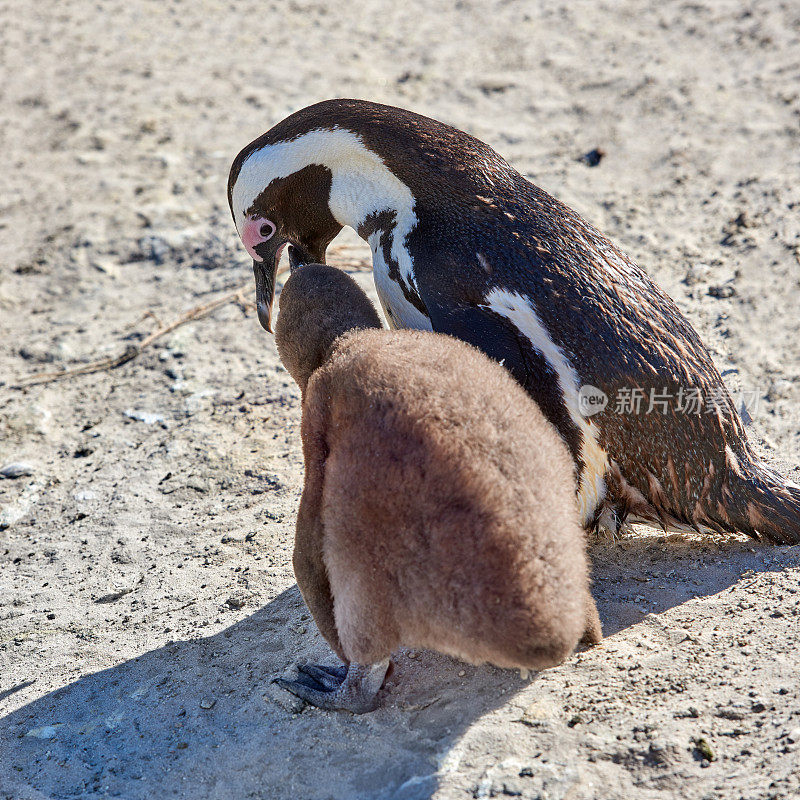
(143, 416)
(44, 732)
(17, 469)
(207, 704)
(705, 749)
(593, 157)
(461, 673)
(236, 601)
(526, 772)
(722, 292)
(794, 735)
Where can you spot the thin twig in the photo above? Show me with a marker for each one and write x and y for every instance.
(112, 362)
(133, 350)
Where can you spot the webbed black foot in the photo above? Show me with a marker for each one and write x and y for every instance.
(322, 676)
(351, 688)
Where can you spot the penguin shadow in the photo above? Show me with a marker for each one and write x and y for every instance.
(201, 718)
(648, 573)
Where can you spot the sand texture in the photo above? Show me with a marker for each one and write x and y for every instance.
(146, 590)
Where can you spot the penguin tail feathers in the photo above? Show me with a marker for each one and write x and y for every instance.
(761, 504)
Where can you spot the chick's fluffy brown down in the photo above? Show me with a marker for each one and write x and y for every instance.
(439, 505)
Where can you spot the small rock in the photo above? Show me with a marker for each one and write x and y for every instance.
(539, 712)
(731, 713)
(593, 157)
(794, 735)
(17, 469)
(143, 416)
(44, 732)
(496, 85)
(106, 266)
(461, 673)
(299, 628)
(112, 597)
(704, 749)
(723, 291)
(39, 353)
(198, 484)
(237, 600)
(207, 703)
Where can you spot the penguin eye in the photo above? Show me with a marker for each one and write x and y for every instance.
(267, 229)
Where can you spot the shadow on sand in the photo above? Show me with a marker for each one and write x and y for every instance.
(200, 719)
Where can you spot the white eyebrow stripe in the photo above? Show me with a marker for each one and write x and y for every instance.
(361, 184)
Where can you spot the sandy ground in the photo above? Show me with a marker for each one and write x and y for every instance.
(146, 591)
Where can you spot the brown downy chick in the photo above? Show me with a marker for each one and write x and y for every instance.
(438, 509)
(308, 327)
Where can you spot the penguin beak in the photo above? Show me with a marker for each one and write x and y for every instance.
(265, 272)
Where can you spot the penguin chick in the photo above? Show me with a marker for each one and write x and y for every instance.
(438, 509)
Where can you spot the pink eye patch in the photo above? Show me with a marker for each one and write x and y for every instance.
(255, 231)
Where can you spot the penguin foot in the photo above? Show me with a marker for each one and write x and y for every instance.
(611, 524)
(322, 676)
(352, 688)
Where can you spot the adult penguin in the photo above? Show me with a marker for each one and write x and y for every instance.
(465, 245)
